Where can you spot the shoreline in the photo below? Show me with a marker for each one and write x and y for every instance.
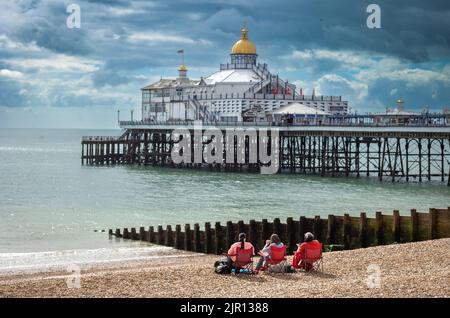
(420, 269)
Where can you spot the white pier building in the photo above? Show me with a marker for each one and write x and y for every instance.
(242, 90)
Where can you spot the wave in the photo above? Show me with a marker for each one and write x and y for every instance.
(17, 263)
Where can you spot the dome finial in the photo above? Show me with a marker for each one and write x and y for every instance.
(244, 32)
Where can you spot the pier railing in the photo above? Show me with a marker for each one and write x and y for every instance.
(347, 231)
(278, 124)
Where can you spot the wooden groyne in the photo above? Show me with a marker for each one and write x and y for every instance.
(348, 231)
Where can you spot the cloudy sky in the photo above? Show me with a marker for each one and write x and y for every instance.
(53, 76)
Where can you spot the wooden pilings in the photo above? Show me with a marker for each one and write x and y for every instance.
(422, 156)
(346, 230)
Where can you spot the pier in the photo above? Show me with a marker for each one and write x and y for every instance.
(348, 231)
(392, 152)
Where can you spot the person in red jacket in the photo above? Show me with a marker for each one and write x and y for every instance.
(314, 251)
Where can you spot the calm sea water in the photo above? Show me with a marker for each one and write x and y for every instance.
(50, 202)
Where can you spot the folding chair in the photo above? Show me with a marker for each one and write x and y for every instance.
(243, 259)
(277, 258)
(313, 260)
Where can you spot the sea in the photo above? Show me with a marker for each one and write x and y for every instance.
(53, 209)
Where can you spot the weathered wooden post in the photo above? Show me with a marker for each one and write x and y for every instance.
(347, 231)
(142, 233)
(414, 226)
(433, 223)
(230, 234)
(196, 237)
(126, 234)
(177, 242)
(331, 229)
(317, 228)
(208, 243)
(265, 231)
(290, 234)
(133, 233)
(110, 232)
(168, 240)
(151, 234)
(277, 227)
(160, 237)
(379, 227)
(302, 228)
(118, 233)
(240, 227)
(363, 229)
(187, 238)
(396, 229)
(253, 233)
(218, 238)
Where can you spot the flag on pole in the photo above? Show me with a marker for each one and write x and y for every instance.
(301, 91)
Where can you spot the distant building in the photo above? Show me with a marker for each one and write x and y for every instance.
(240, 90)
(395, 116)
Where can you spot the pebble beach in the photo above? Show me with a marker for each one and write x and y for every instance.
(420, 269)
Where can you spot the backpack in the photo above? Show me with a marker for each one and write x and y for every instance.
(222, 267)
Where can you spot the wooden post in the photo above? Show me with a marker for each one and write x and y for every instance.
(317, 228)
(290, 235)
(208, 245)
(218, 238)
(110, 232)
(151, 234)
(265, 231)
(177, 242)
(253, 233)
(187, 238)
(414, 226)
(433, 223)
(277, 227)
(363, 229)
(142, 233)
(160, 238)
(126, 234)
(302, 228)
(396, 229)
(230, 234)
(118, 233)
(379, 227)
(133, 233)
(347, 231)
(168, 241)
(240, 227)
(331, 231)
(196, 237)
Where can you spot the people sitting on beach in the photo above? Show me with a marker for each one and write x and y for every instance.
(266, 252)
(309, 244)
(225, 266)
(242, 244)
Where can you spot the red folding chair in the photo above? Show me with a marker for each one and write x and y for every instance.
(243, 259)
(277, 258)
(313, 260)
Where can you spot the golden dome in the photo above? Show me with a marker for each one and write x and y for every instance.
(244, 45)
(182, 68)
